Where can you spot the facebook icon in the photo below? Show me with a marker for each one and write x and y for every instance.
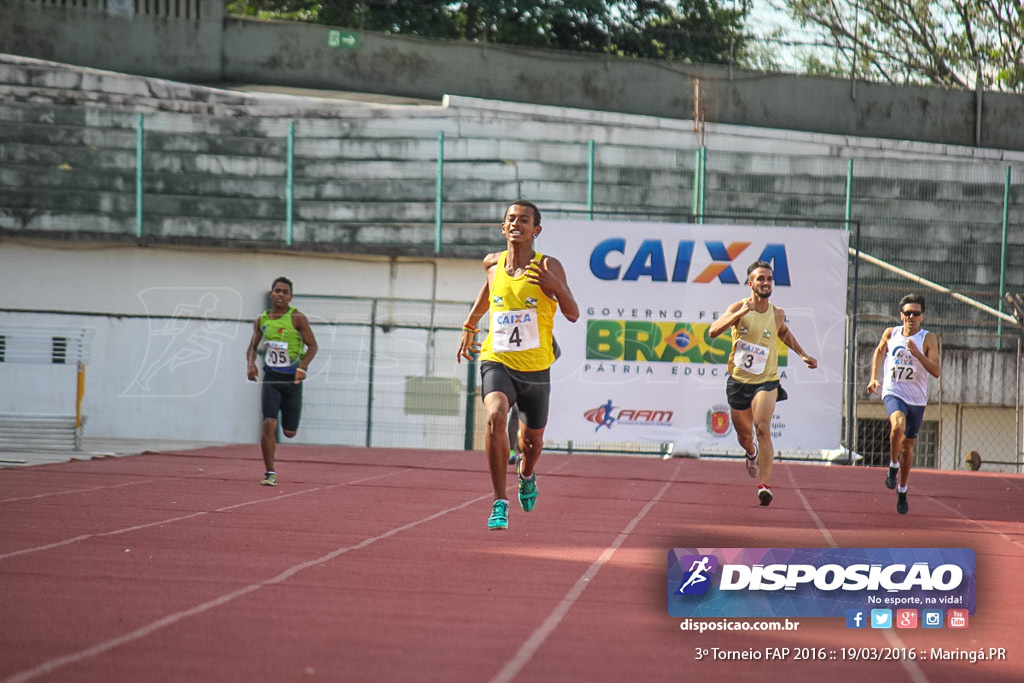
(856, 618)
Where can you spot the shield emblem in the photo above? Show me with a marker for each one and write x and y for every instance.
(719, 422)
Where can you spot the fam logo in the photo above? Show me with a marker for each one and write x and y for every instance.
(609, 414)
(719, 420)
(696, 580)
(649, 260)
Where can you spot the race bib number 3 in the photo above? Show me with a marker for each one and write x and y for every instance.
(277, 354)
(750, 357)
(514, 330)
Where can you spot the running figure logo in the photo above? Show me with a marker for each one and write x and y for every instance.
(190, 328)
(601, 415)
(696, 580)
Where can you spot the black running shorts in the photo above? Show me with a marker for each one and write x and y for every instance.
(741, 395)
(528, 391)
(282, 395)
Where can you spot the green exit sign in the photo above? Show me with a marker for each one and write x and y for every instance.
(345, 40)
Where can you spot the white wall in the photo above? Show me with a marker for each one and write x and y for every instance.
(170, 327)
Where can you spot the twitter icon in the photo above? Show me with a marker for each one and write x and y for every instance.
(881, 618)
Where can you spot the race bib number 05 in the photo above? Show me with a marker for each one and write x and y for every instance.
(514, 330)
(277, 354)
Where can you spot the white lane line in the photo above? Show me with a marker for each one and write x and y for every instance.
(529, 648)
(55, 663)
(171, 520)
(911, 667)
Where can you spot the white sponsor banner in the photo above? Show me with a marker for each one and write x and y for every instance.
(638, 365)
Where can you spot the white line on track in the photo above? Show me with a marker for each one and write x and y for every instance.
(911, 667)
(57, 662)
(171, 520)
(525, 653)
(92, 489)
(1009, 539)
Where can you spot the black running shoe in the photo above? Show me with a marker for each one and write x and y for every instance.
(901, 503)
(890, 479)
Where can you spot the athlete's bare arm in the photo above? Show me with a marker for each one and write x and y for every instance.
(787, 337)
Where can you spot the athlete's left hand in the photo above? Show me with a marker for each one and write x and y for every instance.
(549, 283)
(810, 361)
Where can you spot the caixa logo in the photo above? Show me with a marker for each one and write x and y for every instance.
(649, 260)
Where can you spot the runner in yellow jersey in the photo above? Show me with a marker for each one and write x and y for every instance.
(286, 338)
(522, 293)
(753, 385)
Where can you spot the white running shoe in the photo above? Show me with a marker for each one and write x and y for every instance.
(752, 462)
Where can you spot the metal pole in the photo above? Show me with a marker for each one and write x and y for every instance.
(590, 179)
(849, 192)
(851, 353)
(289, 188)
(369, 383)
(1019, 412)
(703, 177)
(696, 186)
(470, 403)
(851, 419)
(1002, 257)
(139, 135)
(439, 192)
(938, 288)
(79, 395)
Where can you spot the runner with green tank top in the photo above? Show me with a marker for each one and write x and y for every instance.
(285, 338)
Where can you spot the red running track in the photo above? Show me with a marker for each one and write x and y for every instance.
(376, 565)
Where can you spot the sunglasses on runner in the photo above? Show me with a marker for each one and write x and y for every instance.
(911, 313)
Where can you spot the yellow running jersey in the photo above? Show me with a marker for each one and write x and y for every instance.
(522, 318)
(755, 348)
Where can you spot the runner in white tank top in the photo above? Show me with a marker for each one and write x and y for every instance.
(907, 355)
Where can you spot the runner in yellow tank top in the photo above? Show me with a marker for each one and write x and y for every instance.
(522, 293)
(753, 385)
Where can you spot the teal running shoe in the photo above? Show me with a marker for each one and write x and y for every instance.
(527, 491)
(498, 521)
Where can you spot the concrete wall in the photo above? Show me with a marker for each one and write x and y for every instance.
(170, 328)
(214, 48)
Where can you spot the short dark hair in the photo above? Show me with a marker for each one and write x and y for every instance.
(285, 280)
(528, 204)
(758, 264)
(912, 299)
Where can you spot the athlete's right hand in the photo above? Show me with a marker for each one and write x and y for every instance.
(468, 347)
(873, 386)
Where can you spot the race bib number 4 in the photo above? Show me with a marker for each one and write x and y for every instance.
(514, 330)
(750, 357)
(277, 354)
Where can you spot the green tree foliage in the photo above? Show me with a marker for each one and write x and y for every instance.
(690, 30)
(938, 42)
